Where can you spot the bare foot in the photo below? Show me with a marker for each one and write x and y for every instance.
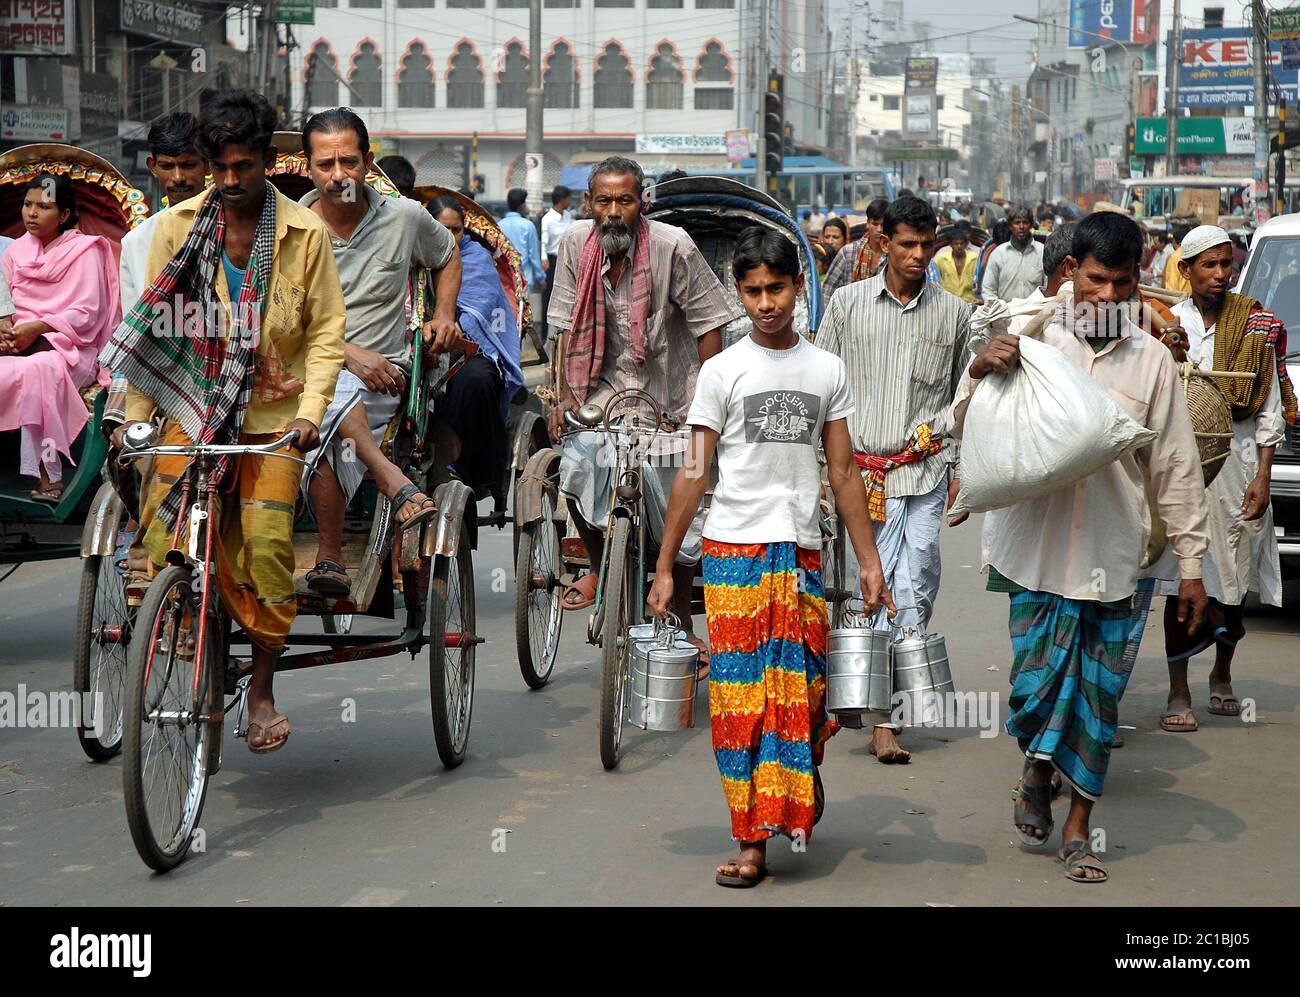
(885, 746)
(750, 865)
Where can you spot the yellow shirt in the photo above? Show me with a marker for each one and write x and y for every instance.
(964, 285)
(303, 316)
(1174, 280)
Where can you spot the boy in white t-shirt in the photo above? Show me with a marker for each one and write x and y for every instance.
(764, 404)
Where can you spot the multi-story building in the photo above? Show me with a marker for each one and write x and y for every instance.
(95, 73)
(662, 79)
(969, 99)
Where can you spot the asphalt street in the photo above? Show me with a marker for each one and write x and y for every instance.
(362, 813)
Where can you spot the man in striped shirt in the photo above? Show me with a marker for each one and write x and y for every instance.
(903, 339)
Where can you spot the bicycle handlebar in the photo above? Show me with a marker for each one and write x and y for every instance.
(217, 450)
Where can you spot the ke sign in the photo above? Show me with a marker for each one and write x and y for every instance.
(1095, 22)
(1217, 69)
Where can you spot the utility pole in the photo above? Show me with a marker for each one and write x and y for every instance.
(533, 144)
(1174, 63)
(1259, 56)
(764, 67)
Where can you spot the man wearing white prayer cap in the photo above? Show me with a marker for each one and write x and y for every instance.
(1228, 332)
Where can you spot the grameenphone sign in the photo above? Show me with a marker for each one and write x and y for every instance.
(1095, 22)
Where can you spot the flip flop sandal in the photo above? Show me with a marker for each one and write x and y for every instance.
(1056, 785)
(819, 795)
(49, 498)
(1227, 639)
(1205, 643)
(329, 578)
(1183, 728)
(1118, 740)
(588, 600)
(1077, 856)
(406, 494)
(266, 749)
(741, 882)
(1223, 709)
(1041, 799)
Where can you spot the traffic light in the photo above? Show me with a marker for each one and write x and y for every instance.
(1130, 139)
(774, 124)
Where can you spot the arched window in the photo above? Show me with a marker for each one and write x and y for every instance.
(512, 80)
(663, 87)
(517, 172)
(415, 81)
(366, 78)
(560, 81)
(322, 77)
(465, 77)
(712, 67)
(613, 78)
(441, 166)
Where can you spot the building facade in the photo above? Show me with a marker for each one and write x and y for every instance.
(444, 82)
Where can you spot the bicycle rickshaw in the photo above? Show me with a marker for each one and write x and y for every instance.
(713, 211)
(182, 678)
(89, 515)
(525, 423)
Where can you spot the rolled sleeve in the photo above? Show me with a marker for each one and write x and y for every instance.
(696, 290)
(1269, 422)
(434, 243)
(1173, 464)
(564, 291)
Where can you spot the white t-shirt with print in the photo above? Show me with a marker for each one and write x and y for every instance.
(768, 407)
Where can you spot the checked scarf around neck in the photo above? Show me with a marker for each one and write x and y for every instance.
(200, 377)
(866, 261)
(1250, 339)
(923, 444)
(586, 350)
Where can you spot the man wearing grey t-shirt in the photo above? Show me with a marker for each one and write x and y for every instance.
(376, 242)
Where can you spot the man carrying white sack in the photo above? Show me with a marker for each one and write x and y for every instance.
(1069, 559)
(1229, 332)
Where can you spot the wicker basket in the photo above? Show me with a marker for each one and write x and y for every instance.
(1212, 420)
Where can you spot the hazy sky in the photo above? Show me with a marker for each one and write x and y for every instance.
(985, 25)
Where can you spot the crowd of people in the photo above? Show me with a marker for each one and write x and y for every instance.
(239, 314)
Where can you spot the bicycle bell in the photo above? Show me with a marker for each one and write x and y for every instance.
(139, 435)
(591, 415)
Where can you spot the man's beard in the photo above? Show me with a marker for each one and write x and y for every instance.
(1021, 243)
(614, 237)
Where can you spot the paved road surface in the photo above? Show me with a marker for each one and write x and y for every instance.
(363, 814)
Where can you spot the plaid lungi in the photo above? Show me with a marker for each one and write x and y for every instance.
(255, 513)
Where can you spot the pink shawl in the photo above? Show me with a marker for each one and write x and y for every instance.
(71, 285)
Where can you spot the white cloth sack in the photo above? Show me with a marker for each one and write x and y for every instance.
(1045, 425)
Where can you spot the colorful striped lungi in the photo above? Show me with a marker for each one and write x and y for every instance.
(767, 688)
(254, 554)
(1069, 669)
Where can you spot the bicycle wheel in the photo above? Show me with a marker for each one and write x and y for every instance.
(99, 657)
(168, 736)
(615, 596)
(452, 644)
(538, 609)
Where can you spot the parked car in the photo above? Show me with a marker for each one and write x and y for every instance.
(1272, 276)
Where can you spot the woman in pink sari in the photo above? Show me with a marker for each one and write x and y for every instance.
(64, 286)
